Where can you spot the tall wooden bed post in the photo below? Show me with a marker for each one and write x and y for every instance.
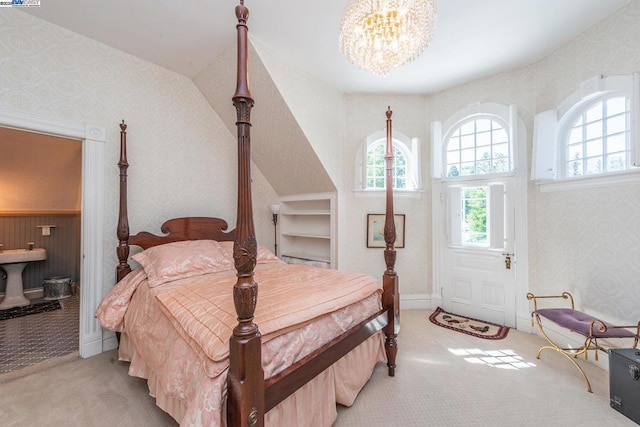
(123, 267)
(245, 380)
(390, 296)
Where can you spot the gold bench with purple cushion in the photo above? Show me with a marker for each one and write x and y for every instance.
(592, 328)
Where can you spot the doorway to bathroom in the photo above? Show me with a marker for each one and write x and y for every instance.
(40, 206)
(92, 256)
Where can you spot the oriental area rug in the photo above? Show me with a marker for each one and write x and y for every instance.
(466, 325)
(39, 307)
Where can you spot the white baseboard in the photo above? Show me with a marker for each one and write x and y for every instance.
(109, 341)
(91, 348)
(414, 301)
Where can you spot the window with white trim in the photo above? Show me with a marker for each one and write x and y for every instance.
(597, 139)
(591, 135)
(479, 145)
(371, 164)
(475, 142)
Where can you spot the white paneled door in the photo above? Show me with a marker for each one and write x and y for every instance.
(478, 258)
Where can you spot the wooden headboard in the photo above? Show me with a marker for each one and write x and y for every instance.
(176, 229)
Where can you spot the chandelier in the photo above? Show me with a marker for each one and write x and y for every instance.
(380, 35)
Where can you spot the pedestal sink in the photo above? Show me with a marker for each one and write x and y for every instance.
(13, 261)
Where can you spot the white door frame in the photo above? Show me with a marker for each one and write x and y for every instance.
(92, 212)
(520, 200)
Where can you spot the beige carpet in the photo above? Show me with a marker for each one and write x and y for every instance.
(444, 378)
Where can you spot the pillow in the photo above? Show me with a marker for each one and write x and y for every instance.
(179, 260)
(264, 254)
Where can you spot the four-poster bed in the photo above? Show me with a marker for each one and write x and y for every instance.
(189, 330)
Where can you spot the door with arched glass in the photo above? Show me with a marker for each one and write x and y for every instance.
(475, 220)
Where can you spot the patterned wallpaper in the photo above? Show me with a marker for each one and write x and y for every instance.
(366, 115)
(277, 138)
(583, 241)
(182, 157)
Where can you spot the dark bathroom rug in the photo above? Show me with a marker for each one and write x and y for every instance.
(39, 307)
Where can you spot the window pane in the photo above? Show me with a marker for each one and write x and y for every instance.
(483, 138)
(500, 150)
(594, 130)
(594, 165)
(575, 152)
(467, 168)
(467, 141)
(468, 155)
(499, 136)
(616, 105)
(500, 165)
(616, 162)
(483, 125)
(575, 168)
(474, 216)
(594, 148)
(467, 128)
(617, 124)
(594, 113)
(483, 166)
(575, 135)
(483, 153)
(454, 143)
(453, 157)
(617, 143)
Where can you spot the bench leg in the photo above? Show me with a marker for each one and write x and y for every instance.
(569, 356)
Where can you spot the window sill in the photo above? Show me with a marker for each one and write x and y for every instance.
(403, 194)
(593, 181)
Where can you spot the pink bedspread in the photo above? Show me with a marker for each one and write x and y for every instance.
(189, 384)
(289, 296)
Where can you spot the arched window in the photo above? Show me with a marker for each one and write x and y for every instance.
(370, 164)
(590, 135)
(376, 166)
(478, 145)
(596, 138)
(475, 142)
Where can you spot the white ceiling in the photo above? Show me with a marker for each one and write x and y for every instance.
(473, 38)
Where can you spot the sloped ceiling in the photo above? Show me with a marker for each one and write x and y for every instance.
(279, 147)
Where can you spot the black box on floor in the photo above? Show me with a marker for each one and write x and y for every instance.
(624, 382)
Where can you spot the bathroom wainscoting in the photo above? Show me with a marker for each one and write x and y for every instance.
(62, 245)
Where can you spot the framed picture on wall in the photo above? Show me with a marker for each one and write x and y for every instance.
(375, 230)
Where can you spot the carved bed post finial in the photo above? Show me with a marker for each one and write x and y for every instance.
(390, 297)
(123, 267)
(245, 379)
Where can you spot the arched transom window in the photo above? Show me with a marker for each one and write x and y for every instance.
(479, 145)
